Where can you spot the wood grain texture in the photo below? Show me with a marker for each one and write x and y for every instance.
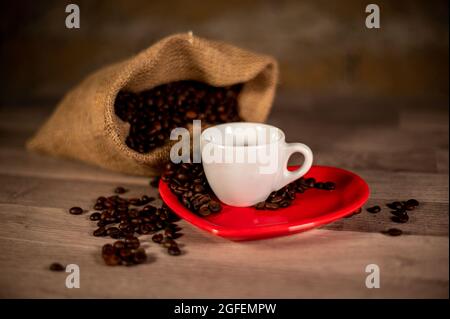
(402, 152)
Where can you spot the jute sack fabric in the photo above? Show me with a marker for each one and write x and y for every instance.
(85, 127)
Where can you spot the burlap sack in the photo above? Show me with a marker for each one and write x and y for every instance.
(85, 127)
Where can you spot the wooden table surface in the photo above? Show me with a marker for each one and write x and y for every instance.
(399, 147)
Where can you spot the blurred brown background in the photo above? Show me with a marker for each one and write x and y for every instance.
(323, 47)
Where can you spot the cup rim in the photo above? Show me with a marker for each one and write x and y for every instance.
(281, 134)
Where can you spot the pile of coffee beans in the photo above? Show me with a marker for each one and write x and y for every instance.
(284, 197)
(399, 210)
(188, 182)
(152, 114)
(124, 219)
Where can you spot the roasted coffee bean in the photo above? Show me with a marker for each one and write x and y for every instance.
(329, 186)
(198, 188)
(95, 216)
(393, 232)
(57, 267)
(113, 232)
(168, 242)
(132, 242)
(101, 231)
(400, 219)
(99, 206)
(101, 223)
(120, 190)
(412, 202)
(319, 185)
(204, 210)
(119, 245)
(395, 205)
(399, 213)
(158, 238)
(191, 115)
(174, 250)
(272, 206)
(285, 203)
(135, 201)
(276, 199)
(309, 182)
(108, 249)
(375, 209)
(76, 210)
(139, 256)
(214, 206)
(260, 205)
(125, 253)
(111, 260)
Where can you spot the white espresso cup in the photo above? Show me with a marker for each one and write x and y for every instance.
(244, 162)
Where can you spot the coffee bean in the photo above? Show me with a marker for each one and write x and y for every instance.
(174, 250)
(95, 216)
(111, 260)
(108, 249)
(120, 190)
(101, 231)
(168, 242)
(204, 210)
(319, 185)
(119, 245)
(329, 186)
(399, 213)
(272, 206)
(57, 267)
(400, 219)
(214, 206)
(132, 242)
(139, 256)
(285, 203)
(260, 205)
(76, 210)
(113, 232)
(412, 202)
(276, 199)
(158, 238)
(309, 182)
(375, 209)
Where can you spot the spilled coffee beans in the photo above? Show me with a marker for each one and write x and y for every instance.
(124, 219)
(286, 195)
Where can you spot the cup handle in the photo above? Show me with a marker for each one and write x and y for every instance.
(289, 176)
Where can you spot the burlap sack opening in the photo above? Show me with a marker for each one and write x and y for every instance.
(85, 127)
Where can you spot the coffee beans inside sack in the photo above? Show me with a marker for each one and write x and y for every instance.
(120, 117)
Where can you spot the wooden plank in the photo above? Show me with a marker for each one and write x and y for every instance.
(312, 264)
(22, 163)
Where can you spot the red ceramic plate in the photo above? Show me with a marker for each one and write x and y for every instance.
(310, 209)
